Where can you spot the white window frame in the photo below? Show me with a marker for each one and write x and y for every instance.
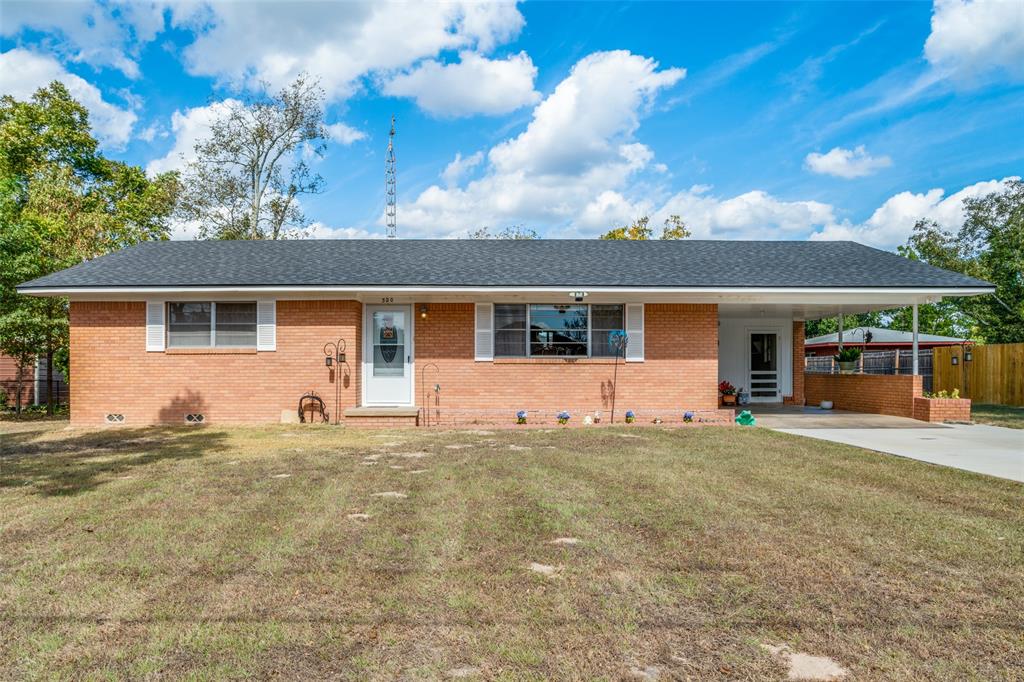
(213, 324)
(529, 353)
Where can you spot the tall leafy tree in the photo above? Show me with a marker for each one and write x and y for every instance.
(249, 173)
(639, 229)
(830, 325)
(62, 202)
(989, 246)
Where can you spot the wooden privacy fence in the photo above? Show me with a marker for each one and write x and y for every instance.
(994, 375)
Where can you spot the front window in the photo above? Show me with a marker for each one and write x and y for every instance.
(608, 325)
(230, 324)
(509, 330)
(541, 330)
(558, 330)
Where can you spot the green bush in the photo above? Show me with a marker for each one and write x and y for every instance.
(848, 354)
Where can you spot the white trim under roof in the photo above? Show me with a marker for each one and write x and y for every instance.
(119, 293)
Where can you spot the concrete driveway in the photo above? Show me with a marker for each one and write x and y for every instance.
(983, 449)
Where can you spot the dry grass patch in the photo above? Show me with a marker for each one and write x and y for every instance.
(177, 553)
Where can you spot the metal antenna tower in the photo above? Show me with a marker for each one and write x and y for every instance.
(391, 208)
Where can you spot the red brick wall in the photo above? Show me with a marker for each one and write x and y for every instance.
(797, 398)
(679, 372)
(942, 409)
(114, 373)
(872, 393)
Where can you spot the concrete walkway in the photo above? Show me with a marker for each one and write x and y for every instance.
(991, 450)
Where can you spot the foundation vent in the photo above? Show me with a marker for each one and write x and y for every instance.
(195, 418)
(114, 418)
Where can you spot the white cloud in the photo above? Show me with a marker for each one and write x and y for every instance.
(460, 167)
(751, 215)
(344, 134)
(319, 230)
(972, 39)
(246, 43)
(846, 163)
(893, 221)
(473, 85)
(23, 72)
(188, 127)
(578, 145)
(608, 210)
(101, 35)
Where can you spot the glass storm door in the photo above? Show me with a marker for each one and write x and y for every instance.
(764, 367)
(387, 356)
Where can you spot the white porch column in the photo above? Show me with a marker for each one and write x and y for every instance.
(915, 340)
(840, 331)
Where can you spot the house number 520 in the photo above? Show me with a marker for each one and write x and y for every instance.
(388, 299)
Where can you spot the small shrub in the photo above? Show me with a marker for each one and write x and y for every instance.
(521, 417)
(3, 399)
(688, 417)
(848, 354)
(563, 417)
(630, 417)
(942, 395)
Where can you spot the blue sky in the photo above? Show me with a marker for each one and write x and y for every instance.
(751, 121)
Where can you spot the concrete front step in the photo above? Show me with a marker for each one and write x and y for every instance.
(382, 417)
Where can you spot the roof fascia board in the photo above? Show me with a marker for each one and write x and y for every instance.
(64, 291)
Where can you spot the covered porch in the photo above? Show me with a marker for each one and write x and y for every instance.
(761, 354)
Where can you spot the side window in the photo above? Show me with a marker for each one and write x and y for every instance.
(189, 324)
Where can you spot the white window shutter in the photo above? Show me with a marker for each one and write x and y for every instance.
(635, 332)
(155, 326)
(266, 324)
(484, 331)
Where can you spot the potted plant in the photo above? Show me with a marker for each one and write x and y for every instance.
(521, 417)
(728, 392)
(563, 417)
(687, 417)
(847, 358)
(630, 417)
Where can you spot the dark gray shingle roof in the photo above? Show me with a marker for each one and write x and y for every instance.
(467, 262)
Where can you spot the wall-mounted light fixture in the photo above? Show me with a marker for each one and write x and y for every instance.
(967, 356)
(423, 311)
(955, 360)
(578, 296)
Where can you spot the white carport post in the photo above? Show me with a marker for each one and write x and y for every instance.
(915, 340)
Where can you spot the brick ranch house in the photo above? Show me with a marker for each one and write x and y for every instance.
(470, 331)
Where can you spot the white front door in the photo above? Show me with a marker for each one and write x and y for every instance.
(387, 355)
(763, 361)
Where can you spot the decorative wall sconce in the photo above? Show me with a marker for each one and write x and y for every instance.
(967, 356)
(956, 360)
(423, 311)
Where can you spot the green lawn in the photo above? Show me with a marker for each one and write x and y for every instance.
(228, 553)
(999, 415)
